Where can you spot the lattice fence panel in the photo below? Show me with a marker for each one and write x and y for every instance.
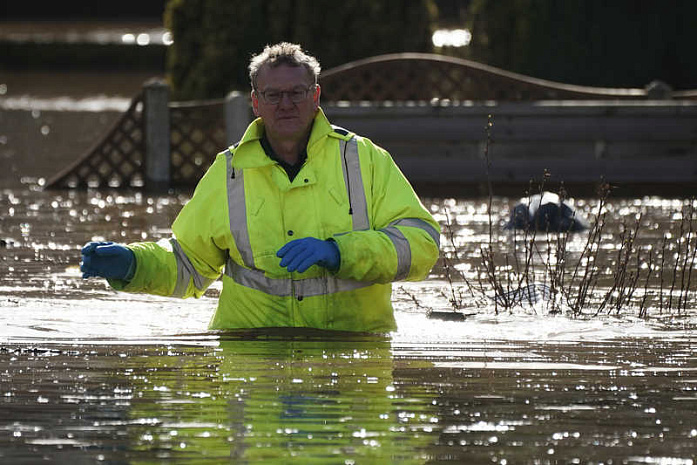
(197, 135)
(117, 160)
(423, 77)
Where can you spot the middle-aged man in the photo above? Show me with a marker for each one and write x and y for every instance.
(308, 223)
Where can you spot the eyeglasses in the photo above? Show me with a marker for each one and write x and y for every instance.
(274, 96)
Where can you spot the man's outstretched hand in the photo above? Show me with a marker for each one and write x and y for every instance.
(107, 260)
(301, 254)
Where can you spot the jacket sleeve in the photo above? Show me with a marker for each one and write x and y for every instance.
(404, 239)
(186, 264)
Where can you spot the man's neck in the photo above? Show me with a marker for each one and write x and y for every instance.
(288, 150)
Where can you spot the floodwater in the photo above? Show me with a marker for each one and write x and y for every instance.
(89, 375)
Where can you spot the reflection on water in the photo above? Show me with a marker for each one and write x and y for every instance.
(85, 32)
(33, 87)
(91, 375)
(268, 399)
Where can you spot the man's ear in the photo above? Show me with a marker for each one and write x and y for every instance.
(255, 103)
(315, 97)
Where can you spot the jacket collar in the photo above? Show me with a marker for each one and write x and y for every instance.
(249, 153)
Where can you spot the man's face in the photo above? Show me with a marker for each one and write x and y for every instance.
(286, 119)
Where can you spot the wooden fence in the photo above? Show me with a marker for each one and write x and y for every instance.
(647, 142)
(431, 113)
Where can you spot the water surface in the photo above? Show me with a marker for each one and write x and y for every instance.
(89, 375)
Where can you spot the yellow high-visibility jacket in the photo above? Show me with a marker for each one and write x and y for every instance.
(245, 209)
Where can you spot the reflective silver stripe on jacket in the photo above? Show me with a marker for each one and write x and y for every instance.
(237, 211)
(401, 243)
(309, 287)
(421, 224)
(353, 179)
(185, 272)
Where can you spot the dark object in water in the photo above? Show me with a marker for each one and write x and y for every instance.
(545, 212)
(446, 316)
(6, 242)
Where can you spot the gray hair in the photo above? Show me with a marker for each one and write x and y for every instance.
(283, 53)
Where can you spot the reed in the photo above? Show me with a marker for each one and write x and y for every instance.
(455, 294)
(609, 275)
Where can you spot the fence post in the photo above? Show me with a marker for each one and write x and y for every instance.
(237, 115)
(157, 136)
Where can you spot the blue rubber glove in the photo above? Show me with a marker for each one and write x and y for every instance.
(107, 260)
(301, 254)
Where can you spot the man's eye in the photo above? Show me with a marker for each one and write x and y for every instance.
(297, 94)
(273, 95)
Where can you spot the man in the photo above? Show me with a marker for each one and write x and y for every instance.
(308, 223)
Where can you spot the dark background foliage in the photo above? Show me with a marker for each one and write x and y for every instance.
(607, 43)
(214, 39)
(603, 43)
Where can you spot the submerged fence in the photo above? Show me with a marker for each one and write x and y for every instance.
(157, 143)
(430, 112)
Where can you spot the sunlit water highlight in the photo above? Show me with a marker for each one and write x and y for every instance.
(89, 375)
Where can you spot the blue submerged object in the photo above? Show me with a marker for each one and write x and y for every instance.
(546, 212)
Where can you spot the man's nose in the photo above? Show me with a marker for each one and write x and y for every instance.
(285, 100)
